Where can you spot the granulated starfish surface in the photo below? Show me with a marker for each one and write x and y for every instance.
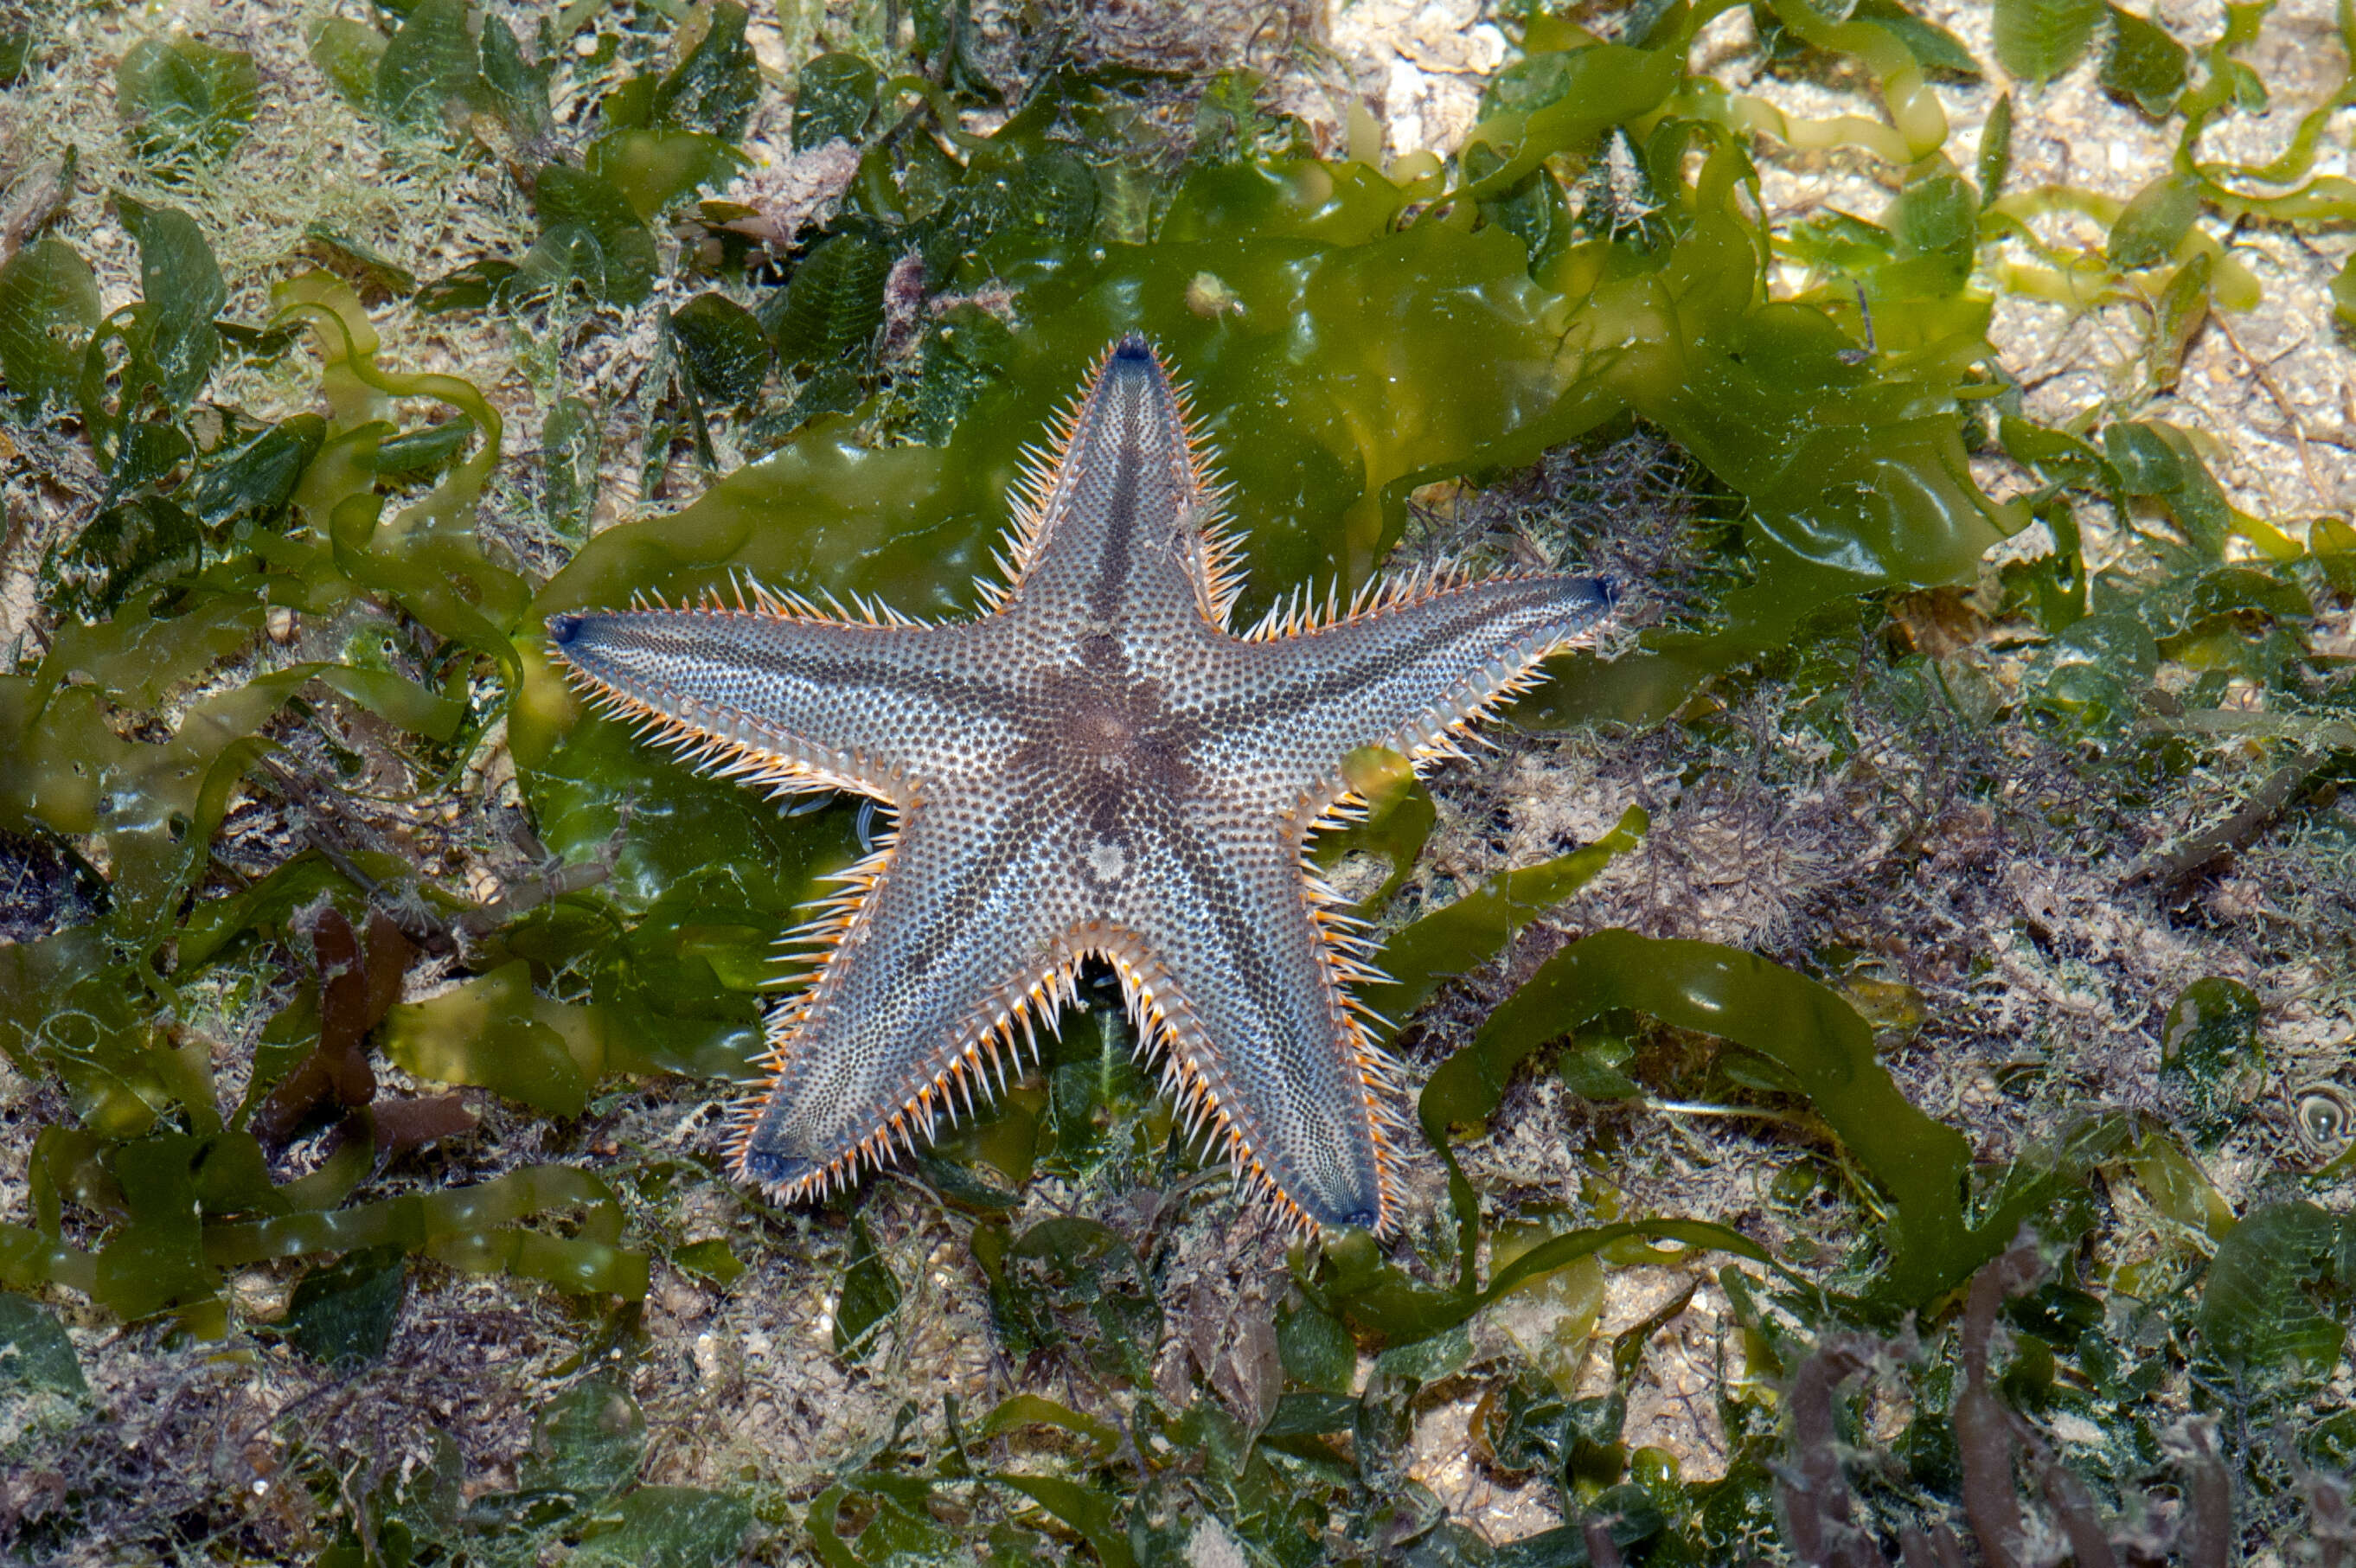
(1095, 767)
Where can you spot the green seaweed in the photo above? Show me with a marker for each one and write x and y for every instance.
(348, 53)
(2278, 1297)
(2144, 64)
(587, 1441)
(430, 64)
(1398, 815)
(589, 235)
(1455, 938)
(834, 97)
(671, 1527)
(157, 807)
(656, 170)
(48, 309)
(723, 347)
(184, 104)
(165, 1255)
(1355, 330)
(1934, 1241)
(713, 87)
(2210, 1054)
(171, 335)
(2039, 40)
(870, 1296)
(343, 1312)
(2154, 222)
(35, 1353)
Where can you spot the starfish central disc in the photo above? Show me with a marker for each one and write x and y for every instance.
(1096, 765)
(1127, 731)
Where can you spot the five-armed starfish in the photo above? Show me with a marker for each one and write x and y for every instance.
(1096, 765)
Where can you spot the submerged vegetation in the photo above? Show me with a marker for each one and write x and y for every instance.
(1924, 938)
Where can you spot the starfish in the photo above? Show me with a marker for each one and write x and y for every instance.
(1096, 765)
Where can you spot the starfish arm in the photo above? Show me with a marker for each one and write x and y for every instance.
(1233, 958)
(1408, 671)
(928, 973)
(1116, 522)
(794, 701)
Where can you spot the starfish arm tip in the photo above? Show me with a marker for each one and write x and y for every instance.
(784, 1176)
